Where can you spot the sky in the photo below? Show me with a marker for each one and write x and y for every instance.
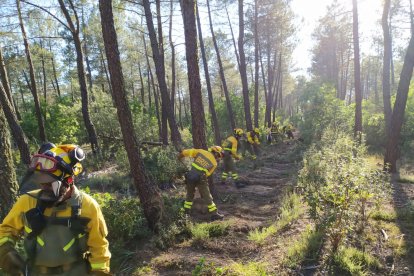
(370, 11)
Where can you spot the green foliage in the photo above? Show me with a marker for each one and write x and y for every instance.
(248, 269)
(203, 231)
(176, 227)
(162, 163)
(305, 249)
(290, 210)
(113, 182)
(339, 186)
(373, 126)
(351, 261)
(320, 110)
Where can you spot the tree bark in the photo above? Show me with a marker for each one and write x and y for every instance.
(173, 74)
(5, 79)
(160, 71)
(357, 75)
(151, 81)
(9, 186)
(232, 38)
(214, 120)
(256, 66)
(33, 88)
(196, 103)
(392, 152)
(386, 67)
(243, 72)
(149, 194)
(221, 71)
(17, 132)
(93, 139)
(54, 73)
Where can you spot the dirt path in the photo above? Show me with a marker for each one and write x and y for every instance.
(251, 207)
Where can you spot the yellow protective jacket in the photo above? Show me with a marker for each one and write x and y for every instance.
(203, 160)
(252, 138)
(230, 144)
(15, 225)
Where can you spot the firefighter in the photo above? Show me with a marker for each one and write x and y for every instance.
(288, 130)
(275, 131)
(203, 166)
(230, 147)
(63, 228)
(254, 142)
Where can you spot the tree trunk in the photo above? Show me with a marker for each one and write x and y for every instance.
(148, 192)
(54, 73)
(9, 186)
(243, 72)
(256, 66)
(141, 81)
(151, 81)
(17, 132)
(221, 71)
(160, 71)
(43, 72)
(214, 120)
(392, 153)
(164, 118)
(5, 79)
(357, 75)
(232, 38)
(33, 88)
(386, 67)
(194, 83)
(93, 139)
(173, 74)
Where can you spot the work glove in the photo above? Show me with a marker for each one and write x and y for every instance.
(100, 273)
(10, 260)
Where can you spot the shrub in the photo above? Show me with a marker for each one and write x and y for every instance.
(203, 231)
(351, 261)
(339, 185)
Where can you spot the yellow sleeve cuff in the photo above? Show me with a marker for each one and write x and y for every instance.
(6, 239)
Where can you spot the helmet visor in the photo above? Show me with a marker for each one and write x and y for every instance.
(43, 162)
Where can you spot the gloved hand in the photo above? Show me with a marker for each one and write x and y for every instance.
(100, 273)
(10, 260)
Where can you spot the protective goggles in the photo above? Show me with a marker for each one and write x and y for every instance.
(44, 162)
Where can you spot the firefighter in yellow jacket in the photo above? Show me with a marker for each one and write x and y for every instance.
(63, 228)
(254, 142)
(203, 166)
(230, 147)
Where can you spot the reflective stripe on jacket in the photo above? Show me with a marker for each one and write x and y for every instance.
(14, 226)
(203, 160)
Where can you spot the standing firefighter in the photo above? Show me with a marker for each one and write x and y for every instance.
(63, 228)
(254, 142)
(230, 146)
(203, 166)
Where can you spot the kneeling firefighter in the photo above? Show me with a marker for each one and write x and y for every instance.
(203, 166)
(63, 228)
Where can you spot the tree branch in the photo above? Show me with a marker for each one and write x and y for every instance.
(48, 12)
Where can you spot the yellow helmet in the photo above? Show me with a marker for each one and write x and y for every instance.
(217, 150)
(256, 129)
(238, 131)
(59, 162)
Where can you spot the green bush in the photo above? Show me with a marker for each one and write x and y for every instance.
(351, 261)
(203, 231)
(339, 185)
(321, 109)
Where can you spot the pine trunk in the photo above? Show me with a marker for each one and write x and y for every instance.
(149, 194)
(357, 75)
(386, 68)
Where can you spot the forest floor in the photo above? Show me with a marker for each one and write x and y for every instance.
(227, 247)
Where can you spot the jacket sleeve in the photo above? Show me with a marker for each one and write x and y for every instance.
(249, 138)
(97, 243)
(256, 140)
(12, 226)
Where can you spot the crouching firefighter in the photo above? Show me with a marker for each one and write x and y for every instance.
(63, 228)
(203, 166)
